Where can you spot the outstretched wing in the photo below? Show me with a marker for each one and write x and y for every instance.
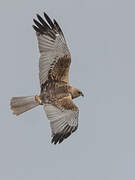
(63, 116)
(55, 57)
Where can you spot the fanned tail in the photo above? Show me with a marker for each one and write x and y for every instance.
(20, 105)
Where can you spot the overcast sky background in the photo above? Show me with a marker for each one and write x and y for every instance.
(101, 38)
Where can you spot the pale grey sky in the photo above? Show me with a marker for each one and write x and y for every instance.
(101, 38)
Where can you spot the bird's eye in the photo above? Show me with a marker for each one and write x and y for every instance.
(80, 93)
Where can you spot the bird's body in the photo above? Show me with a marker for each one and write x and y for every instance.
(56, 94)
(53, 91)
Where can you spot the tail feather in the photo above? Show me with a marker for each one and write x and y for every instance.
(20, 105)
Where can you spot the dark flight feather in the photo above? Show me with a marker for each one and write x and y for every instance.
(58, 27)
(36, 29)
(49, 21)
(43, 22)
(47, 27)
(38, 25)
(59, 137)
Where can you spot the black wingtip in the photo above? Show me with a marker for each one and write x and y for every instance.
(46, 26)
(38, 15)
(55, 139)
(35, 28)
(46, 16)
(60, 137)
(40, 18)
(58, 27)
(49, 20)
(34, 20)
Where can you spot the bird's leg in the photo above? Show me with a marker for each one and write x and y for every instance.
(38, 99)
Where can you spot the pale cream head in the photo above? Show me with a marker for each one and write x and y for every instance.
(76, 93)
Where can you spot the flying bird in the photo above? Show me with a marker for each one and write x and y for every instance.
(56, 93)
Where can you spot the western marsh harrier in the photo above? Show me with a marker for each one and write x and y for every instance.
(56, 94)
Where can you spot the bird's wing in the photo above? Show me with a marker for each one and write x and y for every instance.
(63, 116)
(55, 57)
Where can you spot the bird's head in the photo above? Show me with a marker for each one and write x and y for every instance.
(76, 93)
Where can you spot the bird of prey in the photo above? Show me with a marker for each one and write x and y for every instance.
(56, 93)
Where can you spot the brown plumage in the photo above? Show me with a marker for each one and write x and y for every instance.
(56, 94)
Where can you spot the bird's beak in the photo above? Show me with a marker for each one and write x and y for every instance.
(82, 94)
